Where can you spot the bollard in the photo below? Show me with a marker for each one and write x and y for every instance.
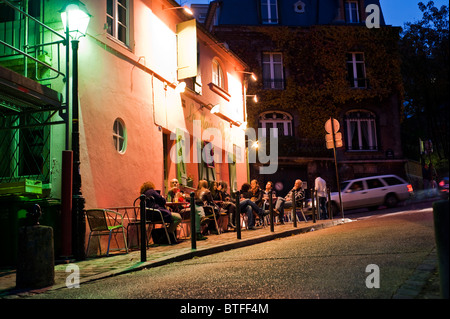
(36, 263)
(316, 196)
(238, 215)
(294, 208)
(193, 216)
(440, 216)
(271, 212)
(143, 230)
(330, 213)
(313, 206)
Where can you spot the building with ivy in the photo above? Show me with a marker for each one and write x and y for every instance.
(317, 60)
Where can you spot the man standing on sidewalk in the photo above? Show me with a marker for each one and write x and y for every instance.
(321, 188)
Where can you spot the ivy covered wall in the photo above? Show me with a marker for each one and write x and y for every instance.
(315, 71)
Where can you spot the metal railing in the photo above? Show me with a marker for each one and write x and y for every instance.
(25, 41)
(31, 48)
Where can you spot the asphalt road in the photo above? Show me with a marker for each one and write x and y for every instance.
(328, 264)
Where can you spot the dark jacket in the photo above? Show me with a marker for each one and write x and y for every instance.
(158, 203)
(299, 196)
(257, 196)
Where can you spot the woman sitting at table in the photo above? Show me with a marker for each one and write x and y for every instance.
(159, 202)
(266, 195)
(204, 198)
(226, 203)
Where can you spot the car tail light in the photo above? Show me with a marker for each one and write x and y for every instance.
(441, 183)
(410, 188)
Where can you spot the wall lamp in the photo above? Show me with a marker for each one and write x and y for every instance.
(213, 108)
(179, 86)
(252, 75)
(186, 9)
(255, 98)
(241, 125)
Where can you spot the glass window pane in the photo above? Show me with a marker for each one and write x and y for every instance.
(122, 15)
(122, 33)
(109, 7)
(109, 21)
(277, 57)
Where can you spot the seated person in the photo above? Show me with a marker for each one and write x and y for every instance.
(247, 205)
(175, 194)
(148, 189)
(203, 199)
(227, 205)
(287, 200)
(257, 193)
(266, 194)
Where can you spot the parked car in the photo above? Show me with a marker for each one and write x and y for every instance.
(443, 188)
(371, 192)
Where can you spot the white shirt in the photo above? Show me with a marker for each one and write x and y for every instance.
(321, 187)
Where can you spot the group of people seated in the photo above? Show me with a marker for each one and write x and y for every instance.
(255, 199)
(213, 199)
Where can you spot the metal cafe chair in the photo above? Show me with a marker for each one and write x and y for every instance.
(155, 217)
(211, 214)
(105, 222)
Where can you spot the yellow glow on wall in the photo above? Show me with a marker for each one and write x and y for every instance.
(163, 50)
(234, 109)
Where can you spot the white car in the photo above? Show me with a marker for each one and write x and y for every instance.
(371, 192)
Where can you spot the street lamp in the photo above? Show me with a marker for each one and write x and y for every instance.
(75, 19)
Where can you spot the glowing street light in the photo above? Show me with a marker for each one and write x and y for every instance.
(75, 19)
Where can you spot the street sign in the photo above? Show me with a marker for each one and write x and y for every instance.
(335, 124)
(337, 137)
(330, 144)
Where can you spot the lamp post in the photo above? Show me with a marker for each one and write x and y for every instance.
(75, 18)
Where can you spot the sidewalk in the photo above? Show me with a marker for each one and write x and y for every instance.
(95, 268)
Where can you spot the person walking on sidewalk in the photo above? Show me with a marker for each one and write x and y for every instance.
(321, 188)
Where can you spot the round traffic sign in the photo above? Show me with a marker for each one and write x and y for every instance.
(335, 124)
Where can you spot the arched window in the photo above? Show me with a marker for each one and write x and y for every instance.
(282, 121)
(361, 131)
(217, 74)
